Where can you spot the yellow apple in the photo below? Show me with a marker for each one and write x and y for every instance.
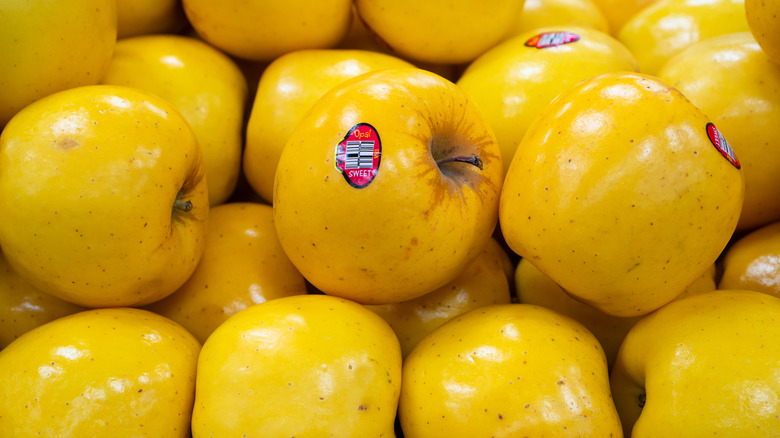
(52, 46)
(263, 30)
(143, 17)
(618, 12)
(763, 18)
(515, 80)
(534, 287)
(545, 13)
(204, 85)
(733, 82)
(511, 370)
(623, 192)
(24, 307)
(666, 27)
(482, 283)
(117, 372)
(705, 365)
(752, 262)
(439, 31)
(243, 264)
(287, 89)
(103, 196)
(305, 366)
(388, 187)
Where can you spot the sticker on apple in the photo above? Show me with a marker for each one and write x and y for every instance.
(722, 145)
(358, 155)
(552, 39)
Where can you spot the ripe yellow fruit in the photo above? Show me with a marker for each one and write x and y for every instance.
(388, 187)
(24, 307)
(763, 17)
(753, 262)
(623, 192)
(482, 283)
(117, 372)
(52, 46)
(439, 31)
(264, 30)
(103, 196)
(737, 86)
(243, 264)
(545, 13)
(507, 370)
(204, 85)
(666, 27)
(705, 365)
(514, 81)
(287, 90)
(304, 366)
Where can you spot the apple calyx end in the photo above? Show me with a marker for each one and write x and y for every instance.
(474, 160)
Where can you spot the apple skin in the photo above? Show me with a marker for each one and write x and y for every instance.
(204, 84)
(439, 31)
(507, 370)
(484, 282)
(52, 46)
(242, 265)
(731, 79)
(88, 181)
(286, 90)
(263, 30)
(622, 193)
(417, 224)
(705, 365)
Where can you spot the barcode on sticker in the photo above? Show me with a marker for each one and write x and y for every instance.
(359, 155)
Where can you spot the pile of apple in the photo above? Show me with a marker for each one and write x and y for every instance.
(387, 218)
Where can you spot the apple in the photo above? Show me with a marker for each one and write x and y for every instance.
(732, 81)
(545, 13)
(300, 366)
(243, 264)
(103, 196)
(52, 46)
(264, 30)
(117, 372)
(439, 31)
(388, 187)
(763, 19)
(483, 283)
(618, 12)
(511, 370)
(515, 80)
(705, 365)
(623, 192)
(24, 307)
(664, 28)
(204, 85)
(287, 89)
(752, 262)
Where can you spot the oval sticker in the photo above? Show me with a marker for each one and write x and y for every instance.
(722, 145)
(552, 39)
(358, 155)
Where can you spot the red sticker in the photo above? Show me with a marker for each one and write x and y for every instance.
(552, 39)
(722, 145)
(358, 154)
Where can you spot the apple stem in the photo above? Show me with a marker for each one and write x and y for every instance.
(473, 160)
(184, 206)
